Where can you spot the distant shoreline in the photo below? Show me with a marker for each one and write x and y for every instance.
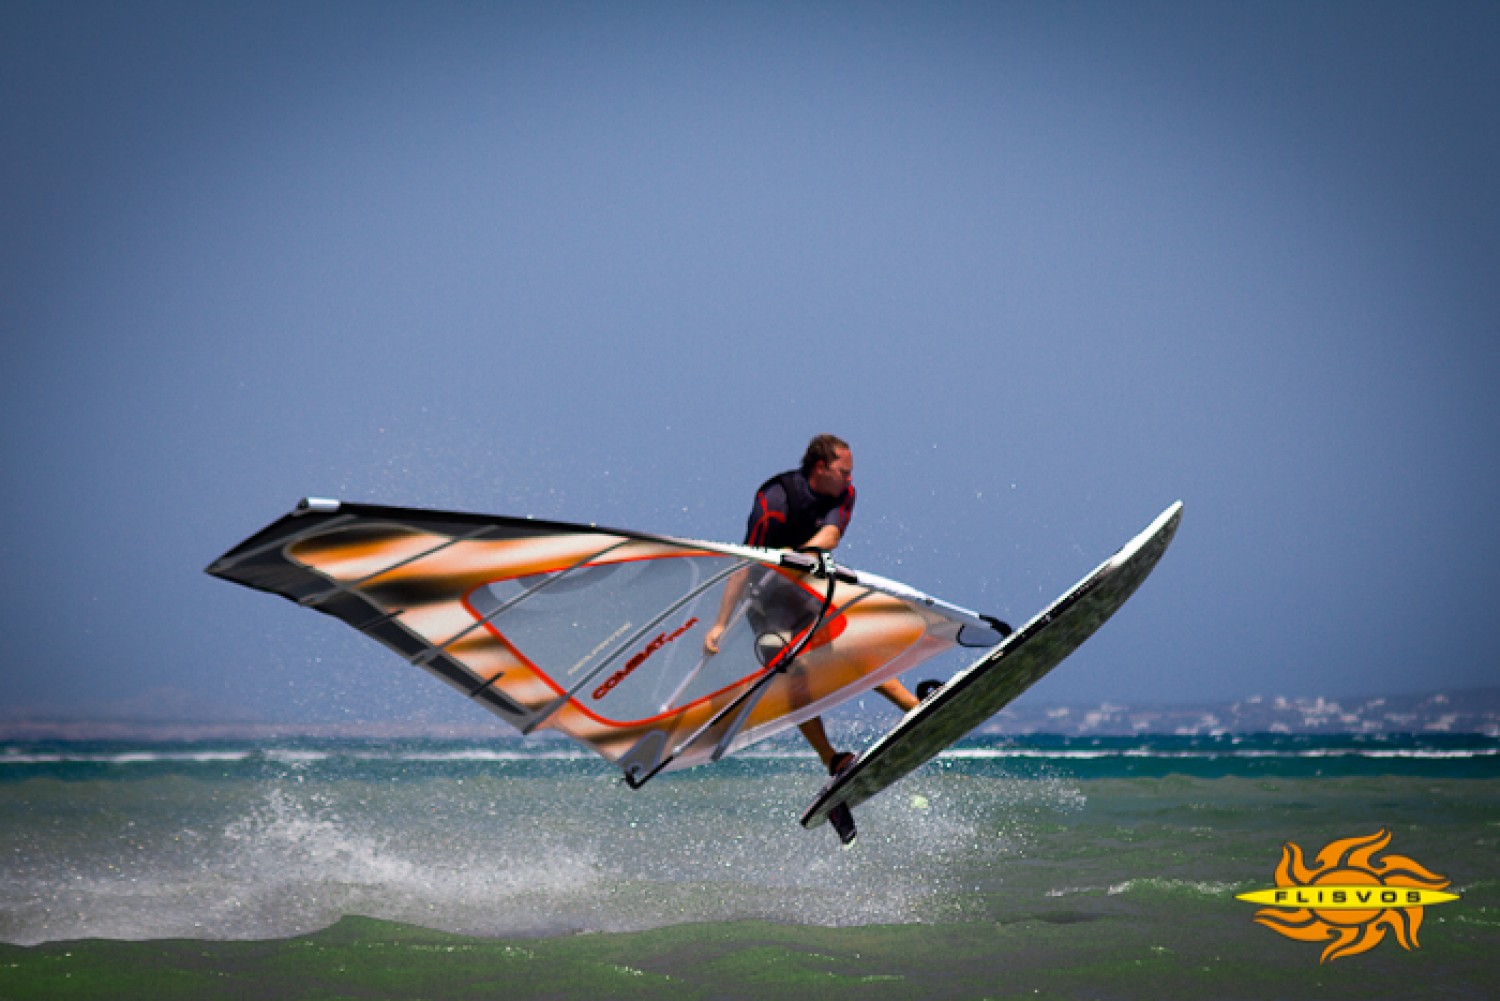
(1473, 711)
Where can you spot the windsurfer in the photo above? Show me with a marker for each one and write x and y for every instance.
(806, 508)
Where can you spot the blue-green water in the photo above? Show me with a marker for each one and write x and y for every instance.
(1038, 867)
(245, 841)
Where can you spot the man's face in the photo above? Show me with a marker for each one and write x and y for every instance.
(831, 478)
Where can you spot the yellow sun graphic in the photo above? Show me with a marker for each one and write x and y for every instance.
(1349, 899)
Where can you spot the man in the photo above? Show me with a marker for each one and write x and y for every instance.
(806, 508)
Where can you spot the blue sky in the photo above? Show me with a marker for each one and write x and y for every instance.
(1048, 266)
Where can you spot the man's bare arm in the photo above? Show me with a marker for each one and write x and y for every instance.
(826, 537)
(733, 589)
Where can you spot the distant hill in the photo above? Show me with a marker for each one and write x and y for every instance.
(1474, 711)
(1468, 711)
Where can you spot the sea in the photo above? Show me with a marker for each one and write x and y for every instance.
(1071, 858)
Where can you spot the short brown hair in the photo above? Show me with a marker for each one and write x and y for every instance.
(823, 448)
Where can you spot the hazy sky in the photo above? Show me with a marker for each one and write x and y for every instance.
(1048, 266)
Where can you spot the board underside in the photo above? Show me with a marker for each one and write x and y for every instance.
(975, 694)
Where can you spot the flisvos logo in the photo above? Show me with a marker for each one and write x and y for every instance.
(1349, 899)
(661, 640)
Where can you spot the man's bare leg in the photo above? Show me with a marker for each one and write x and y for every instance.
(817, 736)
(899, 694)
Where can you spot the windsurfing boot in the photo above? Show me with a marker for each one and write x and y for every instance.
(839, 763)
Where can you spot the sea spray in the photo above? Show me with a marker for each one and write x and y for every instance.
(251, 841)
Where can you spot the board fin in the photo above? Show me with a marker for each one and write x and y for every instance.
(842, 820)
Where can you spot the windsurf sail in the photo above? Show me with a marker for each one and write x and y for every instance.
(599, 633)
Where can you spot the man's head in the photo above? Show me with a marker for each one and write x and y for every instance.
(828, 465)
